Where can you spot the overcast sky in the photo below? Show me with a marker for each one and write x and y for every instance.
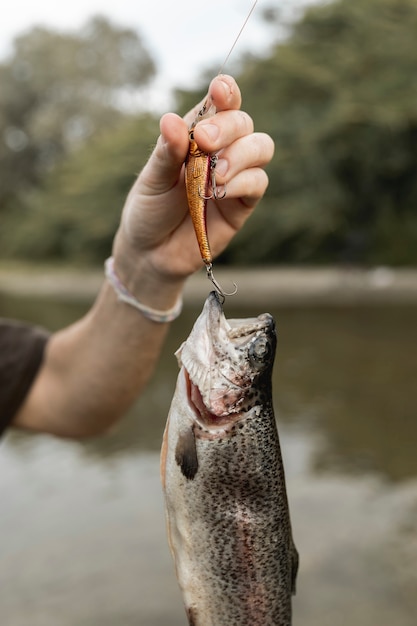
(184, 37)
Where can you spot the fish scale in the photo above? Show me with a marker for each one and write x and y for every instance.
(226, 505)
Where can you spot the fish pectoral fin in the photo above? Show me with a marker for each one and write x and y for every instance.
(295, 559)
(192, 616)
(186, 453)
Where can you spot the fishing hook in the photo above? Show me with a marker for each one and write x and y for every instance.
(213, 184)
(203, 197)
(215, 194)
(215, 188)
(220, 291)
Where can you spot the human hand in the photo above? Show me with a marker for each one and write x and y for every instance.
(156, 229)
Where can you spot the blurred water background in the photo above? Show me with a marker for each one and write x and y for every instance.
(82, 539)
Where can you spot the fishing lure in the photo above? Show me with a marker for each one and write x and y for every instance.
(200, 180)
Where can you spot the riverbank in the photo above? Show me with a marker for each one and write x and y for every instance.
(266, 286)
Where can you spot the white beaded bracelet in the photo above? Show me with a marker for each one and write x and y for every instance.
(124, 295)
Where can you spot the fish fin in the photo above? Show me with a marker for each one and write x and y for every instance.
(295, 559)
(178, 354)
(192, 616)
(186, 453)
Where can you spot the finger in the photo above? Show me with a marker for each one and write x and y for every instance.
(223, 94)
(162, 170)
(255, 150)
(229, 216)
(248, 187)
(174, 134)
(222, 129)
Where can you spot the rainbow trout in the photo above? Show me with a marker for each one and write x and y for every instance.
(227, 513)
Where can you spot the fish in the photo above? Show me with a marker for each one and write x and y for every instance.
(227, 514)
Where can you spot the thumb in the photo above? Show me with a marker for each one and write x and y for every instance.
(163, 168)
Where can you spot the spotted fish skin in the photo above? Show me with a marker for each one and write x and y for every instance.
(227, 512)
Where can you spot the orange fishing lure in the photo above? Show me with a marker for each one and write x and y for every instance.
(200, 184)
(197, 177)
(200, 180)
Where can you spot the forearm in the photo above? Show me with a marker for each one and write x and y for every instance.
(95, 369)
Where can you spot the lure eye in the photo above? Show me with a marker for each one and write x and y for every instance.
(259, 351)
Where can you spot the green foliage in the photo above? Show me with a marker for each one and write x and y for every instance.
(58, 90)
(339, 98)
(76, 212)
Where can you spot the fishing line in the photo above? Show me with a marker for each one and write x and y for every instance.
(194, 154)
(237, 38)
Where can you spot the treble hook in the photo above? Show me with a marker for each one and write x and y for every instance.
(214, 194)
(215, 189)
(220, 291)
(203, 197)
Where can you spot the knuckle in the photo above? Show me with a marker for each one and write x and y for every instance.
(265, 148)
(244, 123)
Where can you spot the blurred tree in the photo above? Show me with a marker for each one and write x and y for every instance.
(57, 90)
(74, 215)
(339, 98)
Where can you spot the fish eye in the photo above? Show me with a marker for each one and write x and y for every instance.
(191, 135)
(259, 350)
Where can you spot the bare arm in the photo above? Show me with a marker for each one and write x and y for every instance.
(94, 369)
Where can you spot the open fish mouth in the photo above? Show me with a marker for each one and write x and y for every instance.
(222, 360)
(234, 328)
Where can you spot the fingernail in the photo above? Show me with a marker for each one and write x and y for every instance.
(211, 130)
(223, 82)
(227, 88)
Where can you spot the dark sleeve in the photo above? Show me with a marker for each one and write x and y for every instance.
(21, 353)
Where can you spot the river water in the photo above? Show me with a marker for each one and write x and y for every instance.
(82, 538)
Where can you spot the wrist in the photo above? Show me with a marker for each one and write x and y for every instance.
(152, 287)
(124, 295)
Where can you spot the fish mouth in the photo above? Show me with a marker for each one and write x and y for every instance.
(223, 362)
(235, 328)
(207, 424)
(203, 416)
